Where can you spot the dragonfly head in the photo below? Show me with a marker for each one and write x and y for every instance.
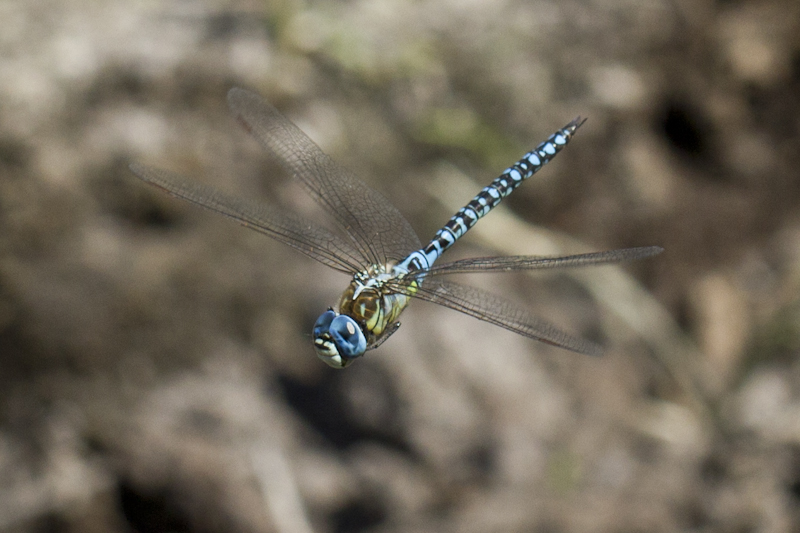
(338, 339)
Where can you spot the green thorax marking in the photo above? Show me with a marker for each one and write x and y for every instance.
(371, 303)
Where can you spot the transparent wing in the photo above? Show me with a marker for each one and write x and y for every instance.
(312, 240)
(495, 310)
(533, 262)
(498, 311)
(378, 230)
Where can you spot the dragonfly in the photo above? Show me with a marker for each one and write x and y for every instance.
(375, 244)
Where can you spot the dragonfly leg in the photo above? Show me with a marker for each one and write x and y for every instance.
(390, 329)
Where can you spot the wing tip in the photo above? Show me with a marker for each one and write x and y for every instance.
(236, 93)
(594, 350)
(241, 99)
(138, 169)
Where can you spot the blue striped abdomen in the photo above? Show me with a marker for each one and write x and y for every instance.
(489, 197)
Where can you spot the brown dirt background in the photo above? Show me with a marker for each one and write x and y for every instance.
(156, 372)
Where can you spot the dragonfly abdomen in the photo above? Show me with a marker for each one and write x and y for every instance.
(491, 195)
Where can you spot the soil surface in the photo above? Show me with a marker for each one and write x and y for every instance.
(156, 368)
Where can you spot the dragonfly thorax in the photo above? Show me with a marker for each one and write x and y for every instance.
(368, 313)
(371, 302)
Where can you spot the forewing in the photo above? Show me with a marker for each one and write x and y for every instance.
(532, 262)
(312, 240)
(375, 226)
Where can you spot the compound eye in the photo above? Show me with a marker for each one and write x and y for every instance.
(348, 336)
(323, 323)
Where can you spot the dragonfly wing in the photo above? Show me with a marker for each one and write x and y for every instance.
(498, 311)
(532, 262)
(312, 240)
(376, 227)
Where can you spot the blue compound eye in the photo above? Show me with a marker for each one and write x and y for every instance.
(323, 323)
(347, 336)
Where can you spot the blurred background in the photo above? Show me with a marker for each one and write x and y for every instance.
(156, 369)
